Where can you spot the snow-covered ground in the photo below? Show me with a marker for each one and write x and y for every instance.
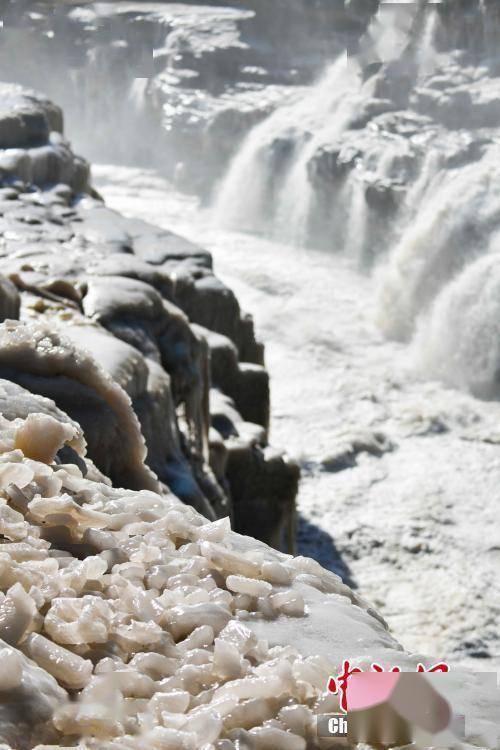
(401, 477)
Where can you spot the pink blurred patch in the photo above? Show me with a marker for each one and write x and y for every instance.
(367, 689)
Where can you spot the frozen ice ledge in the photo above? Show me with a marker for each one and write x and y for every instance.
(134, 425)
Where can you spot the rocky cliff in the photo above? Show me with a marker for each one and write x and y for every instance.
(193, 78)
(125, 327)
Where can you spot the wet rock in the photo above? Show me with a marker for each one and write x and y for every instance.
(332, 163)
(351, 445)
(384, 196)
(29, 697)
(208, 302)
(263, 486)
(26, 118)
(135, 312)
(257, 477)
(130, 266)
(9, 300)
(111, 309)
(32, 148)
(247, 384)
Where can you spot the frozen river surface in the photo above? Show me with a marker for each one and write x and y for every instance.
(401, 477)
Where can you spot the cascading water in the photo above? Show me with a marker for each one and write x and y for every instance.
(426, 56)
(452, 226)
(459, 341)
(266, 188)
(381, 170)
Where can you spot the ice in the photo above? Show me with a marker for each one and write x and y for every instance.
(172, 658)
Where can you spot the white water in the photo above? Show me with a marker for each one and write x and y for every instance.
(426, 55)
(448, 218)
(266, 188)
(460, 340)
(415, 528)
(138, 91)
(452, 226)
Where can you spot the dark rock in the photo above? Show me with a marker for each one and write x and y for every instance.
(384, 196)
(9, 300)
(263, 486)
(116, 344)
(208, 302)
(247, 384)
(332, 163)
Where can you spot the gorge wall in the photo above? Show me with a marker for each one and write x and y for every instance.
(192, 78)
(125, 327)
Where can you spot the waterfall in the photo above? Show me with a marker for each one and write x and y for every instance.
(426, 56)
(459, 341)
(137, 94)
(424, 207)
(334, 104)
(452, 227)
(266, 188)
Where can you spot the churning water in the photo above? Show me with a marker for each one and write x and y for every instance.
(267, 188)
(444, 175)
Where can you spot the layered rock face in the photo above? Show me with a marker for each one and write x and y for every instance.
(125, 327)
(192, 78)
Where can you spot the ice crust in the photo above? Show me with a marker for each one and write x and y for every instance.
(127, 619)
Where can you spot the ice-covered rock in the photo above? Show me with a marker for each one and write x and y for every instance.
(32, 147)
(121, 326)
(163, 627)
(29, 698)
